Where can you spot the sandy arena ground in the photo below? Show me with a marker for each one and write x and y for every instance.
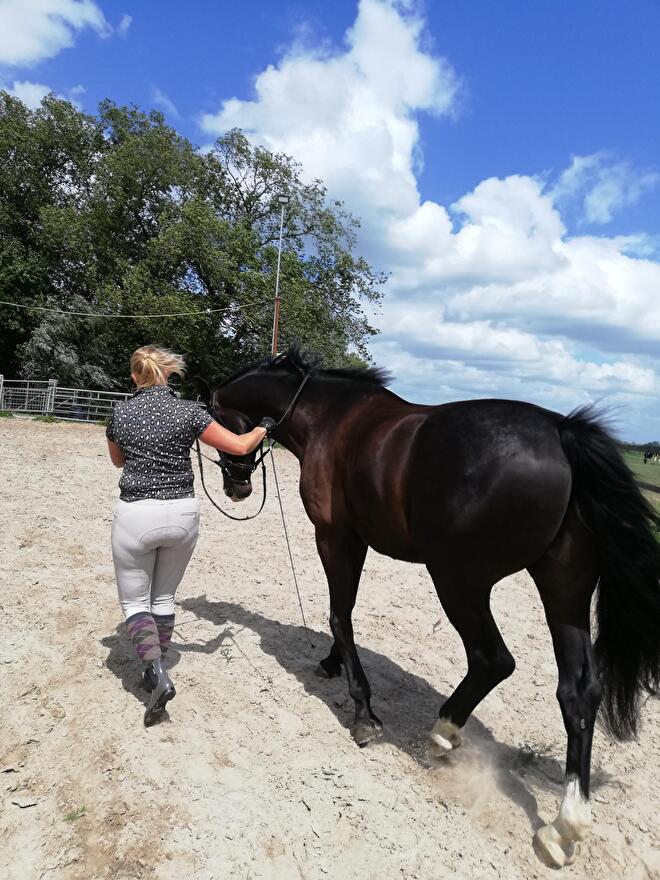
(254, 774)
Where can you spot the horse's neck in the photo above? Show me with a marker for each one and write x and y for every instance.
(320, 405)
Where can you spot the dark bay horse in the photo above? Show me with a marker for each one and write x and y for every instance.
(475, 491)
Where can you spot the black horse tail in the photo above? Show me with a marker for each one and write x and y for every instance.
(622, 523)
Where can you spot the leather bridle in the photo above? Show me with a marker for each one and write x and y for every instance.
(226, 464)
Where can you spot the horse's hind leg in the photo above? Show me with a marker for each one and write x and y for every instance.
(566, 577)
(467, 606)
(343, 555)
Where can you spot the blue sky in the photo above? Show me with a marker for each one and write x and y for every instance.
(503, 157)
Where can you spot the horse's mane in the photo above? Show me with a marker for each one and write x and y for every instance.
(310, 362)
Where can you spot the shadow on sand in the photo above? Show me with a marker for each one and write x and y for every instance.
(406, 703)
(121, 660)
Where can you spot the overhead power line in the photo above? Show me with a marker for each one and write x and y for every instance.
(199, 314)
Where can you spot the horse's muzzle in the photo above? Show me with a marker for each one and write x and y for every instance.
(237, 491)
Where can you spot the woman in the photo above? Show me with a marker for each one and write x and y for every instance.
(156, 521)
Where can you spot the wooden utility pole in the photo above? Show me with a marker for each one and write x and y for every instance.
(283, 200)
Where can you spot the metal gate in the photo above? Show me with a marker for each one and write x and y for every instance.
(45, 397)
(27, 396)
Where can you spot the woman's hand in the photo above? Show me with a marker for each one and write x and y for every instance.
(235, 444)
(269, 424)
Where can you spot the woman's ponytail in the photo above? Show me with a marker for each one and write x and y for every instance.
(152, 366)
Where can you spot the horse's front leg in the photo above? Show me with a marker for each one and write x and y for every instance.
(342, 554)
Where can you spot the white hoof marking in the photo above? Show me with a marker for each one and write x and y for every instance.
(445, 737)
(574, 819)
(556, 842)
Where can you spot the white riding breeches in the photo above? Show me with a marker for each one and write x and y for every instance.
(152, 542)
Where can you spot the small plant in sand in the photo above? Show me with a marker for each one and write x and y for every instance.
(533, 752)
(4, 414)
(75, 814)
(226, 653)
(48, 418)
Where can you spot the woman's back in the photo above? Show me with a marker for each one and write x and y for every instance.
(155, 430)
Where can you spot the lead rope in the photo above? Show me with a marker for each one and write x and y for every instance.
(288, 547)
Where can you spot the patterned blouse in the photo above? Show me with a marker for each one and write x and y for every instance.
(155, 430)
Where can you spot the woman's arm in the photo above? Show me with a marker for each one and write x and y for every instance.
(235, 444)
(116, 455)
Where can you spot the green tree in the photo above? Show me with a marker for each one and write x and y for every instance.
(117, 213)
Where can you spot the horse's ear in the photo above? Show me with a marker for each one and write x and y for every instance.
(203, 388)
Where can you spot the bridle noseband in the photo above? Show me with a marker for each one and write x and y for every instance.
(226, 464)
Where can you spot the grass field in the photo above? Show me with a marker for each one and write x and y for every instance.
(648, 476)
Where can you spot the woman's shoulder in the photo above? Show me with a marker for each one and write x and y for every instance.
(192, 405)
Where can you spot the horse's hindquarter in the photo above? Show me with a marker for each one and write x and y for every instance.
(488, 479)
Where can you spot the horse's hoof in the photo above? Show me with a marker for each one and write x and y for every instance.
(445, 737)
(553, 849)
(363, 732)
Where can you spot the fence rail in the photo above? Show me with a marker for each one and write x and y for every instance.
(46, 397)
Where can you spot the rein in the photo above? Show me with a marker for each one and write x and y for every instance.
(251, 469)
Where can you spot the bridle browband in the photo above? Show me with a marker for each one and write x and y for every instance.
(226, 465)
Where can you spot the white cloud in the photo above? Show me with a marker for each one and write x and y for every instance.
(124, 25)
(489, 295)
(75, 95)
(161, 100)
(32, 30)
(604, 186)
(349, 116)
(32, 93)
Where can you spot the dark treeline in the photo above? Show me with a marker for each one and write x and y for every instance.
(118, 213)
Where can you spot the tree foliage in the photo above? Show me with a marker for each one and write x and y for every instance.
(117, 213)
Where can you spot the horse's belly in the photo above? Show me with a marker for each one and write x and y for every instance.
(382, 525)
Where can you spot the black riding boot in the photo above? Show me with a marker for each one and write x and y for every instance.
(156, 680)
(149, 678)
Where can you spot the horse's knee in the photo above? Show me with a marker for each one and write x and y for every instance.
(593, 692)
(495, 667)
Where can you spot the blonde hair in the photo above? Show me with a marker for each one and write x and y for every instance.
(152, 366)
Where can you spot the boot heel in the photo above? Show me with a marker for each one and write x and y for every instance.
(162, 692)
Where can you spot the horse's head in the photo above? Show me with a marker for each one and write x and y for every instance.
(236, 469)
(265, 388)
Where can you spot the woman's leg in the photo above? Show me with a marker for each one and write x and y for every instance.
(172, 560)
(133, 570)
(165, 626)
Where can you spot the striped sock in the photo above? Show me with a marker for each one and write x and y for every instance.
(143, 633)
(165, 624)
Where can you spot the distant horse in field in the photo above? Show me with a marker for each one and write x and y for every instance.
(475, 491)
(651, 455)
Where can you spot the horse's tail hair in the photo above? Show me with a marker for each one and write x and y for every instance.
(622, 523)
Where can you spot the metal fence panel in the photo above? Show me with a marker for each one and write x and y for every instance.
(45, 397)
(25, 396)
(81, 404)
